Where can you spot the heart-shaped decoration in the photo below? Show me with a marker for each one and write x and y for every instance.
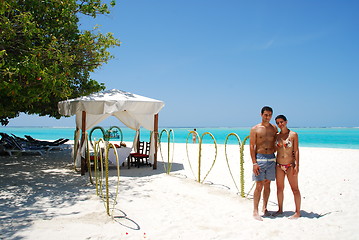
(199, 165)
(99, 166)
(192, 150)
(110, 193)
(225, 152)
(101, 172)
(169, 158)
(201, 156)
(241, 162)
(242, 168)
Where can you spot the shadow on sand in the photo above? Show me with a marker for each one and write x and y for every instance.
(30, 185)
(25, 181)
(304, 214)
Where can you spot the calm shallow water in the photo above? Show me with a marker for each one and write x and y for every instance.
(308, 137)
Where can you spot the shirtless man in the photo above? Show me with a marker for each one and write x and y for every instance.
(262, 148)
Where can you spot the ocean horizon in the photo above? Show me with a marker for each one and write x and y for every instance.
(325, 137)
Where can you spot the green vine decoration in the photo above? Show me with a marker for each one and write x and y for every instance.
(101, 166)
(242, 168)
(98, 154)
(99, 171)
(97, 128)
(241, 163)
(188, 158)
(76, 147)
(99, 176)
(88, 158)
(169, 162)
(200, 154)
(108, 146)
(108, 135)
(200, 151)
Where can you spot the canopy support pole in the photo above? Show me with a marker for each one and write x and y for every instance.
(83, 130)
(155, 131)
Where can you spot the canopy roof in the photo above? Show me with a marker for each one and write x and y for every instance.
(131, 109)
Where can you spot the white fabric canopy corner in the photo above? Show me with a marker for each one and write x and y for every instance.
(131, 109)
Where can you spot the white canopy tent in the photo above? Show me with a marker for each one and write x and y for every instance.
(131, 109)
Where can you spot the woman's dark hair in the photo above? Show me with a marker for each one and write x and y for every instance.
(281, 117)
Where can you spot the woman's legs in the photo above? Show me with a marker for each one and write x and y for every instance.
(293, 181)
(280, 174)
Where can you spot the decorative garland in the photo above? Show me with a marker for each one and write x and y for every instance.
(98, 178)
(97, 148)
(241, 163)
(76, 147)
(242, 169)
(95, 128)
(109, 133)
(169, 163)
(189, 162)
(98, 155)
(199, 154)
(200, 151)
(108, 146)
(88, 158)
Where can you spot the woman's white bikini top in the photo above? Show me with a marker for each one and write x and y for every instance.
(284, 143)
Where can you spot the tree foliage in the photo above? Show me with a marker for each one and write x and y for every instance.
(45, 58)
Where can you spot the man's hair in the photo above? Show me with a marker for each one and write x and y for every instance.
(266, 108)
(281, 117)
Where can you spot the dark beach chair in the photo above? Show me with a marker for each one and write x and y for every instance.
(57, 142)
(48, 145)
(11, 145)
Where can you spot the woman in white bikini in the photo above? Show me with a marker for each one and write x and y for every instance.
(287, 164)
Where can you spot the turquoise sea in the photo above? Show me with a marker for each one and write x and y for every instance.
(347, 138)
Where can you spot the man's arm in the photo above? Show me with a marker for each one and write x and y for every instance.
(252, 145)
(275, 128)
(253, 150)
(275, 137)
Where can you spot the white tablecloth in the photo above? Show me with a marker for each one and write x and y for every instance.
(122, 152)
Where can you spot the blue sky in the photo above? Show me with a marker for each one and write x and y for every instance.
(216, 63)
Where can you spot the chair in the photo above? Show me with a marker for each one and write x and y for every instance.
(141, 157)
(12, 145)
(57, 142)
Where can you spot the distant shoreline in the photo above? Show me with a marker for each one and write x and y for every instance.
(334, 137)
(190, 127)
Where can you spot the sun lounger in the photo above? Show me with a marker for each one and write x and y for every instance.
(57, 142)
(38, 143)
(11, 145)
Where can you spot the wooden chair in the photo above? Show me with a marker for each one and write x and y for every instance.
(141, 157)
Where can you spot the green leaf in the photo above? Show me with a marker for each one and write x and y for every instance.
(45, 58)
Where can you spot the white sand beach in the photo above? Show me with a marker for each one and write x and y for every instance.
(43, 198)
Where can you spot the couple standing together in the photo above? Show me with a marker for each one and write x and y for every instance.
(264, 142)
